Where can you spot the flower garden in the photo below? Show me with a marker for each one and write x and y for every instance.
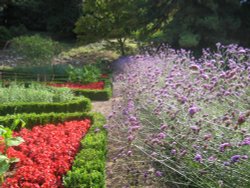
(180, 121)
(48, 137)
(124, 94)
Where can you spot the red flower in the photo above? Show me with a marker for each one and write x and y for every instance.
(46, 155)
(94, 85)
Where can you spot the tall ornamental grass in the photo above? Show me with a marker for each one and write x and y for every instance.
(186, 118)
(34, 93)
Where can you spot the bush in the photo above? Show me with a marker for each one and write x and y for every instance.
(189, 40)
(89, 73)
(36, 49)
(89, 166)
(34, 93)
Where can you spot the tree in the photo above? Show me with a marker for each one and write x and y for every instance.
(57, 17)
(107, 19)
(195, 23)
(62, 15)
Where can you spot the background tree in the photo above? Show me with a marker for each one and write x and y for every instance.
(57, 17)
(196, 23)
(105, 19)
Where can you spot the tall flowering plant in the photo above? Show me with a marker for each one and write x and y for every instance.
(189, 117)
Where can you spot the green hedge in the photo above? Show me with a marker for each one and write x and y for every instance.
(80, 104)
(33, 119)
(96, 95)
(88, 170)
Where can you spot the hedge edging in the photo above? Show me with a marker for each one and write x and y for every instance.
(80, 104)
(88, 169)
(96, 95)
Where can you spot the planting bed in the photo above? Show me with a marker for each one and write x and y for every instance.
(183, 121)
(46, 154)
(97, 91)
(49, 151)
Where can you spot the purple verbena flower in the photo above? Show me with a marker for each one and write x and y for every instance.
(193, 110)
(198, 157)
(161, 135)
(224, 146)
(158, 173)
(235, 158)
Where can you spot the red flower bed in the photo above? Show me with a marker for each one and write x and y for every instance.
(46, 155)
(94, 85)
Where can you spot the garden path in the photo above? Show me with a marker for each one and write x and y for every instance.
(117, 176)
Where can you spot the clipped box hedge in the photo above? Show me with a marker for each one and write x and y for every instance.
(33, 119)
(79, 104)
(88, 170)
(96, 95)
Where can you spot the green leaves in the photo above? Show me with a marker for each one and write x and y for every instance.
(36, 49)
(8, 141)
(88, 74)
(14, 141)
(4, 164)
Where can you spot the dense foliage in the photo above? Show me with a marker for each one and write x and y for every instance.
(34, 93)
(189, 24)
(57, 17)
(35, 49)
(196, 24)
(189, 117)
(87, 74)
(107, 20)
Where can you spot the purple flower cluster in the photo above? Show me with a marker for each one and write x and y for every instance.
(188, 112)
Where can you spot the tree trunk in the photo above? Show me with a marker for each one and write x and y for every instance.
(122, 45)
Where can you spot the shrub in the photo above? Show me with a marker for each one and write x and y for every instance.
(186, 118)
(89, 73)
(34, 93)
(36, 49)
